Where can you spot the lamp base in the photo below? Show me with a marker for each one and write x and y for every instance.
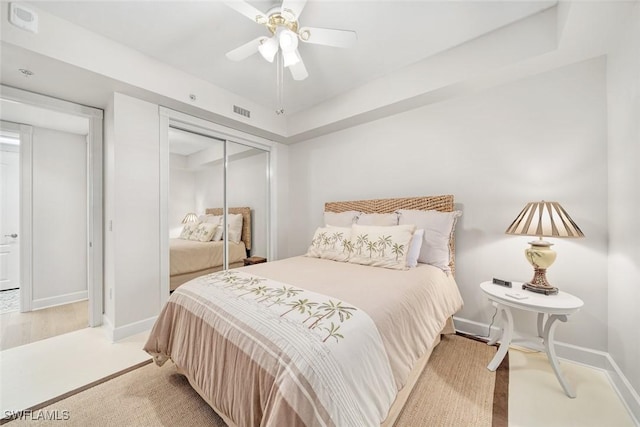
(539, 283)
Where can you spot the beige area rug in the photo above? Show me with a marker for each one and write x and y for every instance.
(456, 389)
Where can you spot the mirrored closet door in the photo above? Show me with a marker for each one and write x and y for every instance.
(218, 200)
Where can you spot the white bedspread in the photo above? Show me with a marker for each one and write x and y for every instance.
(334, 345)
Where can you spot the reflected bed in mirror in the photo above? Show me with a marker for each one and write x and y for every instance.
(190, 258)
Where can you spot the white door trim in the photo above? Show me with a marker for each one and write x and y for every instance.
(94, 196)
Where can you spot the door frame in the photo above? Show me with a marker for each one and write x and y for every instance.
(95, 221)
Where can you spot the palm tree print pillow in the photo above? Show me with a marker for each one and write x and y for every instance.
(380, 246)
(329, 243)
(188, 229)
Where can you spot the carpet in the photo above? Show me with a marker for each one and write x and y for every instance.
(455, 389)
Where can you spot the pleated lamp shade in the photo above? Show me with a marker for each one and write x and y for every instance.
(190, 217)
(544, 219)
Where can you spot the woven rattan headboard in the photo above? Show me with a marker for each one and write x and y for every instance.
(438, 203)
(246, 222)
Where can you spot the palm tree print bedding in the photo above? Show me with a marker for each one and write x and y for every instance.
(318, 313)
(377, 246)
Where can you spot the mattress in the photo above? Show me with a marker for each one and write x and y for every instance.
(188, 256)
(233, 335)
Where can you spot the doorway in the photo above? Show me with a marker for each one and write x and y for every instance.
(58, 245)
(9, 221)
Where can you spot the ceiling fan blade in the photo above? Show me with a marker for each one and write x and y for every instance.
(294, 7)
(246, 50)
(328, 37)
(247, 10)
(298, 70)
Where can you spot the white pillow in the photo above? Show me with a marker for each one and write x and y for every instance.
(217, 236)
(438, 229)
(204, 232)
(213, 219)
(329, 243)
(381, 246)
(234, 224)
(377, 219)
(188, 230)
(414, 248)
(342, 219)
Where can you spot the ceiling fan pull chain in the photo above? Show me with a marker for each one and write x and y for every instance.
(279, 84)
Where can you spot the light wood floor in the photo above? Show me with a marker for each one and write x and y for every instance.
(18, 329)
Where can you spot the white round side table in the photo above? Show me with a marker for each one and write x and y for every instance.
(555, 307)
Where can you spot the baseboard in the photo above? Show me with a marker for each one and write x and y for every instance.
(125, 331)
(625, 390)
(108, 327)
(470, 327)
(586, 356)
(41, 303)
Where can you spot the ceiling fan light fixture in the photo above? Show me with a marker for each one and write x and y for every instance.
(290, 58)
(288, 40)
(268, 48)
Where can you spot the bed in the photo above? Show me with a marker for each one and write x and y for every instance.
(189, 259)
(309, 341)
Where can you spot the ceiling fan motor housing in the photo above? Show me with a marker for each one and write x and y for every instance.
(277, 19)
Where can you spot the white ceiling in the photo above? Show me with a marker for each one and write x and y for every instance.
(194, 36)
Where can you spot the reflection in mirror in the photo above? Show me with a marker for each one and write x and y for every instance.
(198, 244)
(247, 185)
(195, 173)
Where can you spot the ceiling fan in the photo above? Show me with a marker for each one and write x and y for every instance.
(282, 23)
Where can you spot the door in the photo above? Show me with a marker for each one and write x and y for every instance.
(9, 213)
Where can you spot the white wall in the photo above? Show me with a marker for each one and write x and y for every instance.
(543, 137)
(623, 80)
(59, 217)
(132, 200)
(182, 194)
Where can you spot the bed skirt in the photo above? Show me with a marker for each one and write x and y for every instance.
(398, 403)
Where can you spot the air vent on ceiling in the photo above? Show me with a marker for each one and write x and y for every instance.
(23, 17)
(242, 111)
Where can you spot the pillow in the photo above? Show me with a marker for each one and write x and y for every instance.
(217, 236)
(204, 232)
(342, 219)
(234, 224)
(330, 243)
(213, 219)
(381, 246)
(188, 230)
(377, 219)
(414, 248)
(438, 229)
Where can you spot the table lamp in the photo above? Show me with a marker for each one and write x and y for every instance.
(190, 217)
(542, 219)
